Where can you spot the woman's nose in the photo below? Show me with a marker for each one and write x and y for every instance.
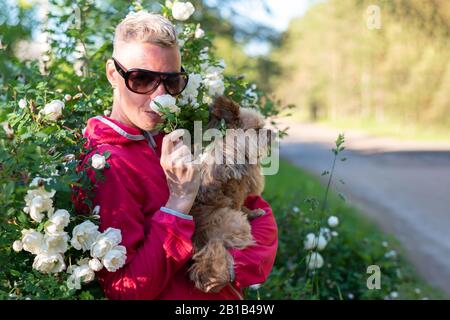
(160, 90)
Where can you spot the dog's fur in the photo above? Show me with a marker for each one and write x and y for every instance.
(221, 221)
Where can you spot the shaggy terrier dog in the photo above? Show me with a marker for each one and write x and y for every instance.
(221, 220)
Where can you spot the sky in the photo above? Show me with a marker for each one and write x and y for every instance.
(282, 11)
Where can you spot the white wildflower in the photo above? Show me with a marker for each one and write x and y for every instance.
(46, 262)
(38, 201)
(190, 93)
(57, 222)
(105, 242)
(333, 221)
(166, 101)
(199, 32)
(314, 261)
(56, 243)
(22, 103)
(95, 264)
(17, 246)
(98, 161)
(394, 294)
(32, 241)
(115, 258)
(182, 10)
(255, 286)
(84, 235)
(312, 242)
(53, 110)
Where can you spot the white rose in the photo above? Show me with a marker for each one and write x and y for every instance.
(190, 93)
(182, 10)
(95, 264)
(96, 210)
(84, 273)
(38, 201)
(73, 282)
(84, 235)
(166, 101)
(314, 261)
(32, 241)
(67, 97)
(199, 33)
(80, 273)
(115, 258)
(310, 241)
(56, 243)
(313, 242)
(214, 81)
(49, 262)
(322, 243)
(17, 246)
(22, 103)
(255, 286)
(105, 242)
(98, 161)
(333, 221)
(53, 110)
(36, 208)
(57, 222)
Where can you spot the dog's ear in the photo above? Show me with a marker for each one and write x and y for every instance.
(226, 109)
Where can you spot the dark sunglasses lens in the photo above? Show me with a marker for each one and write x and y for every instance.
(175, 84)
(142, 82)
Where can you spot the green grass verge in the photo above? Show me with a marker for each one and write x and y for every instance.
(358, 245)
(386, 128)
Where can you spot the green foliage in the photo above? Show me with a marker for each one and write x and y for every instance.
(292, 194)
(338, 68)
(70, 79)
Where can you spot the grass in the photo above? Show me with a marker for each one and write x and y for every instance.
(359, 244)
(387, 128)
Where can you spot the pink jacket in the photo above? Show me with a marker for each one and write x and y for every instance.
(158, 240)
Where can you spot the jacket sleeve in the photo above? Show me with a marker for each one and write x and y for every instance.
(153, 255)
(253, 264)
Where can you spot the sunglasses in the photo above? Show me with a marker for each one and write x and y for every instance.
(143, 81)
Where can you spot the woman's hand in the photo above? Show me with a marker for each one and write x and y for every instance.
(182, 174)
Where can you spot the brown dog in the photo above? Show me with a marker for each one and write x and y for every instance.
(221, 221)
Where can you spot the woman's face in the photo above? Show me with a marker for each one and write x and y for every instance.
(130, 108)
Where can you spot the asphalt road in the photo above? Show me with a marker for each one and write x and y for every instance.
(403, 186)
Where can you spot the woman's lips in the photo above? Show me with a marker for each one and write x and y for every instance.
(154, 115)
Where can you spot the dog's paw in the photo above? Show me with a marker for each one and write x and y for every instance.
(253, 214)
(210, 270)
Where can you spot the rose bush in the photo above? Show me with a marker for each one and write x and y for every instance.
(47, 250)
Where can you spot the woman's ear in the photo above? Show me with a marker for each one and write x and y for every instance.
(111, 73)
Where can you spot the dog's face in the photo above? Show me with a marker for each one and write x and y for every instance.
(246, 140)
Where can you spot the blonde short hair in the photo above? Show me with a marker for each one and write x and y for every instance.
(143, 26)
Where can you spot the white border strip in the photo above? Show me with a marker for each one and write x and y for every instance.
(119, 130)
(176, 213)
